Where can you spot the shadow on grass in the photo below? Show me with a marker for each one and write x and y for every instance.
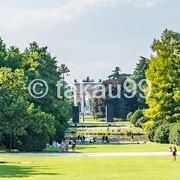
(19, 171)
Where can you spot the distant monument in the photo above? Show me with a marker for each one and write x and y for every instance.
(80, 97)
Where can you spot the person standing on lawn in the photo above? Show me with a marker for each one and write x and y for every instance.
(174, 153)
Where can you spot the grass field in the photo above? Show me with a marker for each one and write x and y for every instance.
(90, 168)
(149, 147)
(94, 168)
(91, 119)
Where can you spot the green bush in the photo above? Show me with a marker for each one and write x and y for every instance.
(161, 134)
(32, 142)
(174, 135)
(141, 121)
(129, 116)
(152, 129)
(136, 115)
(38, 132)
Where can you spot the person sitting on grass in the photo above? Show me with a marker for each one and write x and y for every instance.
(58, 147)
(63, 146)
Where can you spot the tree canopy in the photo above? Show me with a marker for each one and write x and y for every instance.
(23, 116)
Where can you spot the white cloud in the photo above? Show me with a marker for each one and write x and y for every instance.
(14, 18)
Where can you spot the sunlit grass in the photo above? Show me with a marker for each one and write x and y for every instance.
(93, 168)
(149, 147)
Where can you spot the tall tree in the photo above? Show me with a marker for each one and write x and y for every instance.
(39, 64)
(164, 73)
(138, 76)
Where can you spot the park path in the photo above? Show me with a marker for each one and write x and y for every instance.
(103, 154)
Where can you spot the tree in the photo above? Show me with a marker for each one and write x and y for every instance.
(18, 70)
(121, 104)
(138, 76)
(13, 104)
(115, 73)
(163, 72)
(40, 129)
(3, 52)
(39, 64)
(174, 135)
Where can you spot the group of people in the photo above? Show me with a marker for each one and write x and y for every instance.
(65, 144)
(105, 139)
(81, 138)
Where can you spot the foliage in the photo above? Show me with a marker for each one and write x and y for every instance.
(97, 107)
(129, 116)
(40, 128)
(164, 73)
(17, 122)
(121, 104)
(147, 125)
(13, 103)
(152, 129)
(162, 133)
(136, 116)
(138, 75)
(174, 136)
(141, 121)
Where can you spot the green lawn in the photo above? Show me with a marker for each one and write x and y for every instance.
(149, 147)
(90, 168)
(91, 119)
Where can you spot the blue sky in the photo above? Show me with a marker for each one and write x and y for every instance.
(90, 36)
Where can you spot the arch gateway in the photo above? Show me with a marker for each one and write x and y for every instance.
(83, 91)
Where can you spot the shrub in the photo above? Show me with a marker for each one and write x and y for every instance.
(147, 125)
(136, 115)
(152, 129)
(38, 132)
(161, 134)
(32, 142)
(174, 135)
(129, 116)
(141, 121)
